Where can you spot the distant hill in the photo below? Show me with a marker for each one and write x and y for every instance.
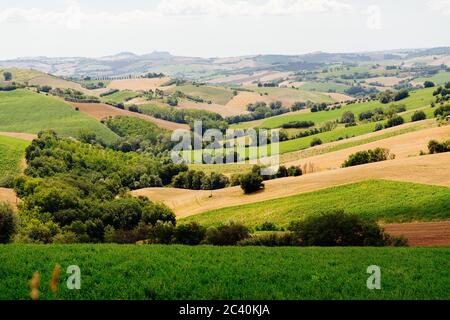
(128, 63)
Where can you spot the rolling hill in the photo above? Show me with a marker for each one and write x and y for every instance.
(30, 112)
(431, 169)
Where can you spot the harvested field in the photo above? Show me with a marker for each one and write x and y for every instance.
(431, 169)
(8, 195)
(339, 97)
(101, 111)
(244, 98)
(429, 234)
(19, 135)
(138, 84)
(403, 146)
(249, 79)
(386, 81)
(223, 110)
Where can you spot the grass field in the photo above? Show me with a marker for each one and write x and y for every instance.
(217, 95)
(247, 273)
(120, 96)
(12, 152)
(377, 199)
(325, 86)
(440, 78)
(417, 99)
(21, 75)
(26, 111)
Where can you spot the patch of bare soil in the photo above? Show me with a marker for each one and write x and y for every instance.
(8, 195)
(19, 135)
(428, 234)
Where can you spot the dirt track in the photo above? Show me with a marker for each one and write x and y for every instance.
(19, 135)
(422, 234)
(8, 195)
(101, 111)
(403, 146)
(431, 169)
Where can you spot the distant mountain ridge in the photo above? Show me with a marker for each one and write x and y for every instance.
(128, 63)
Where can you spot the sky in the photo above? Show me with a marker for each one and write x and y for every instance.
(218, 28)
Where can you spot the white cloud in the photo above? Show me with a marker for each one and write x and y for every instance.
(70, 18)
(244, 8)
(442, 6)
(73, 16)
(374, 20)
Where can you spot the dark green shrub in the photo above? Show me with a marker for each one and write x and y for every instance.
(267, 226)
(339, 229)
(348, 117)
(284, 239)
(378, 127)
(369, 156)
(251, 182)
(294, 171)
(316, 142)
(162, 233)
(394, 121)
(282, 172)
(437, 147)
(428, 84)
(8, 222)
(190, 234)
(418, 116)
(226, 235)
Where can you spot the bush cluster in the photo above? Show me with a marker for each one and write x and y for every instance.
(369, 156)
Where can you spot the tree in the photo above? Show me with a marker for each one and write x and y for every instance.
(348, 117)
(316, 142)
(418, 116)
(294, 171)
(190, 234)
(402, 94)
(394, 121)
(428, 84)
(251, 182)
(8, 222)
(339, 229)
(7, 76)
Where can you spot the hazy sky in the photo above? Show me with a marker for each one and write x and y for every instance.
(210, 28)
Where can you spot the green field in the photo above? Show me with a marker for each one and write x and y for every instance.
(120, 96)
(440, 78)
(325, 86)
(12, 151)
(417, 99)
(247, 273)
(29, 112)
(305, 152)
(214, 94)
(337, 73)
(21, 75)
(378, 199)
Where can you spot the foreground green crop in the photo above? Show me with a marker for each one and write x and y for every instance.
(177, 272)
